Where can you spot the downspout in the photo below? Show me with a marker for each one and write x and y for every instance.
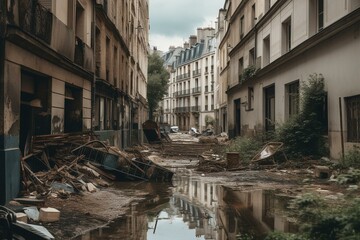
(94, 68)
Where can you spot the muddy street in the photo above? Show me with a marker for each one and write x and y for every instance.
(195, 205)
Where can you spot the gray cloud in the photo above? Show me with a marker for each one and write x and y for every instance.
(181, 17)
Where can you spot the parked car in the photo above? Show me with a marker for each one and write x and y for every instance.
(193, 131)
(174, 129)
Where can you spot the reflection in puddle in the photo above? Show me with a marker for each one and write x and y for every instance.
(196, 209)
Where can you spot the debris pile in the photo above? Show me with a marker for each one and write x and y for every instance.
(211, 163)
(52, 169)
(59, 165)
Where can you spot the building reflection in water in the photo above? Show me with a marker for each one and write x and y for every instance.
(198, 209)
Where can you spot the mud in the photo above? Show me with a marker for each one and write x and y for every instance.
(81, 213)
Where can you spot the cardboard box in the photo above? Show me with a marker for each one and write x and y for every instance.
(49, 215)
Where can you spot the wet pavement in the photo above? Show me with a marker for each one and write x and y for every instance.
(193, 207)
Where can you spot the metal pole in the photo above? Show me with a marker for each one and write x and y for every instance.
(341, 130)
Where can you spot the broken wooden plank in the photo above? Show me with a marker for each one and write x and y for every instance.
(103, 173)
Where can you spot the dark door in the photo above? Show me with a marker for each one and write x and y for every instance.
(270, 108)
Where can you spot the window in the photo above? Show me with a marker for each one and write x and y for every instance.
(286, 36)
(104, 113)
(320, 14)
(253, 15)
(266, 51)
(250, 98)
(241, 68)
(242, 27)
(292, 99)
(353, 118)
(267, 5)
(252, 57)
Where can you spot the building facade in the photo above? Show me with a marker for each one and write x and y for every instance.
(274, 46)
(68, 66)
(190, 100)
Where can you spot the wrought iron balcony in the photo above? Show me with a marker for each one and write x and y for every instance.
(35, 19)
(196, 73)
(196, 90)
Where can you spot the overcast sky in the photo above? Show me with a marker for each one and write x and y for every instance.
(173, 21)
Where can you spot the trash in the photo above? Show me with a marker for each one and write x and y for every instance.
(32, 213)
(62, 186)
(268, 151)
(21, 217)
(49, 215)
(31, 231)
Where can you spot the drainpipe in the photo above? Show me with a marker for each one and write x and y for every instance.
(94, 68)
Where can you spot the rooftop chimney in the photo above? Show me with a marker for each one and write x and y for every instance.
(192, 40)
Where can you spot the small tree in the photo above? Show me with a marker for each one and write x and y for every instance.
(158, 78)
(303, 133)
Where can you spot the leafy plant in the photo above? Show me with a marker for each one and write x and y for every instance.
(248, 73)
(158, 78)
(351, 177)
(247, 147)
(303, 133)
(351, 158)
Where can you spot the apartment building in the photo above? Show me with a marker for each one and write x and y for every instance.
(69, 66)
(121, 47)
(190, 100)
(285, 41)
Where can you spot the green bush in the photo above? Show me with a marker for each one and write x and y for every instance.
(247, 147)
(303, 133)
(323, 222)
(351, 158)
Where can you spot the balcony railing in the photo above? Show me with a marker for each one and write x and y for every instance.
(182, 109)
(196, 73)
(182, 76)
(196, 90)
(182, 93)
(195, 109)
(35, 19)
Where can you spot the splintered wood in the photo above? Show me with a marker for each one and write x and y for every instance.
(52, 170)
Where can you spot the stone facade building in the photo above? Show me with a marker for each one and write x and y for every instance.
(69, 66)
(286, 41)
(190, 100)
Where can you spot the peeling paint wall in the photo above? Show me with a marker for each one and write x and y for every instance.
(11, 99)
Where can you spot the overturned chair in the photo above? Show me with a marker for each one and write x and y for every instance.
(269, 151)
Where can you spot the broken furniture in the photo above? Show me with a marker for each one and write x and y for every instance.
(268, 152)
(153, 133)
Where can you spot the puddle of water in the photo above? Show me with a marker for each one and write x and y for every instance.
(194, 209)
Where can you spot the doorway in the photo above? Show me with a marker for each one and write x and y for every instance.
(35, 114)
(73, 109)
(270, 108)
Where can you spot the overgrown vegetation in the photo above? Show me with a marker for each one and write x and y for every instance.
(303, 133)
(157, 85)
(247, 147)
(321, 222)
(248, 73)
(351, 158)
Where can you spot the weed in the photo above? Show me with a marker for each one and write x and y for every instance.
(351, 158)
(247, 147)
